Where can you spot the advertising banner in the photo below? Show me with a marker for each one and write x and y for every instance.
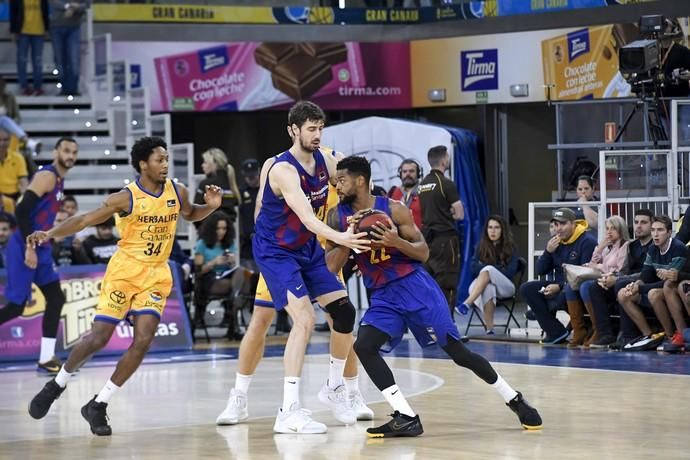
(479, 69)
(583, 64)
(252, 76)
(21, 337)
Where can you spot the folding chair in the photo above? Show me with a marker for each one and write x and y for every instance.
(506, 302)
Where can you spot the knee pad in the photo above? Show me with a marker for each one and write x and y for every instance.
(343, 314)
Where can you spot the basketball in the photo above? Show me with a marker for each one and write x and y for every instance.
(367, 223)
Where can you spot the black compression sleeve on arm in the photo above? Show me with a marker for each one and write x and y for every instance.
(23, 212)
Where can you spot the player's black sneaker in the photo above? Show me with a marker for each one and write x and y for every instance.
(94, 413)
(528, 415)
(50, 367)
(40, 405)
(399, 425)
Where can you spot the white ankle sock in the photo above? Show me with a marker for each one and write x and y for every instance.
(505, 390)
(351, 384)
(290, 392)
(107, 392)
(47, 349)
(335, 373)
(63, 377)
(397, 401)
(242, 382)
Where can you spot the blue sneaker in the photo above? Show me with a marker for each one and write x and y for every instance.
(462, 309)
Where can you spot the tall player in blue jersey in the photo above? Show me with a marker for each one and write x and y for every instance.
(292, 261)
(403, 295)
(36, 210)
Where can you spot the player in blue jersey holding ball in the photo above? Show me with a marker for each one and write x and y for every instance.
(403, 296)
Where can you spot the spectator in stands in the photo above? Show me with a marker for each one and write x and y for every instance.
(410, 173)
(684, 231)
(5, 231)
(250, 174)
(676, 296)
(13, 172)
(65, 31)
(7, 205)
(65, 251)
(219, 172)
(494, 265)
(603, 293)
(69, 205)
(214, 256)
(29, 23)
(9, 113)
(441, 209)
(99, 248)
(609, 257)
(184, 265)
(571, 244)
(665, 259)
(585, 193)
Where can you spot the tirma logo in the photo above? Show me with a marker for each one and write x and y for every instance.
(210, 58)
(479, 70)
(578, 43)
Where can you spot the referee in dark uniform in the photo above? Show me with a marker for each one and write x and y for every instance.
(441, 208)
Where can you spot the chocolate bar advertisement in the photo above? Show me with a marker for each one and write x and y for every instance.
(252, 76)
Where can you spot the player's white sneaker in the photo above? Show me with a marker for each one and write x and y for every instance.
(360, 407)
(235, 411)
(297, 421)
(338, 402)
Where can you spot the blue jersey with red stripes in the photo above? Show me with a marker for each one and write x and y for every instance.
(379, 266)
(43, 215)
(276, 221)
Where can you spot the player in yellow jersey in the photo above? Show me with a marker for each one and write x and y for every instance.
(137, 280)
(254, 340)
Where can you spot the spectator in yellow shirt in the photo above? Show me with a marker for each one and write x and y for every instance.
(13, 172)
(29, 23)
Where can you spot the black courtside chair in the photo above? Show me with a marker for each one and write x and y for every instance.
(504, 302)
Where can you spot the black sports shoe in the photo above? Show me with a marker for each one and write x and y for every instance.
(528, 415)
(94, 413)
(50, 367)
(40, 405)
(399, 425)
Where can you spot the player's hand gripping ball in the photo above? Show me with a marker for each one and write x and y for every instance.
(367, 223)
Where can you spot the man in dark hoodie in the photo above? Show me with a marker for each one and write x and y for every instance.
(572, 244)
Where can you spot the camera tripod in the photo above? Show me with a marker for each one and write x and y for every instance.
(652, 121)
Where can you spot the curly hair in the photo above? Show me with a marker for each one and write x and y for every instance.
(356, 166)
(491, 253)
(207, 232)
(143, 149)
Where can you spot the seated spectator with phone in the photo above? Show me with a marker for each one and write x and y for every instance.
(214, 258)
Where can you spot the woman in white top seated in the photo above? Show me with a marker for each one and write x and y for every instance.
(494, 265)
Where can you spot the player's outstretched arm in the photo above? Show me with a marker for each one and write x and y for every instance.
(336, 256)
(284, 177)
(119, 202)
(213, 196)
(406, 237)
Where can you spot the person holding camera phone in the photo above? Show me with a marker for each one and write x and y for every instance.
(214, 257)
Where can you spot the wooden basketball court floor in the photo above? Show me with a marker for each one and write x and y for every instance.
(601, 405)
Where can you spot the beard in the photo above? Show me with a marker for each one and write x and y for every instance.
(64, 165)
(408, 182)
(306, 146)
(348, 199)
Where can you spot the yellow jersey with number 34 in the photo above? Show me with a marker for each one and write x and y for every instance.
(148, 231)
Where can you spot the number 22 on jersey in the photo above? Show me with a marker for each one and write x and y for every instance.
(378, 255)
